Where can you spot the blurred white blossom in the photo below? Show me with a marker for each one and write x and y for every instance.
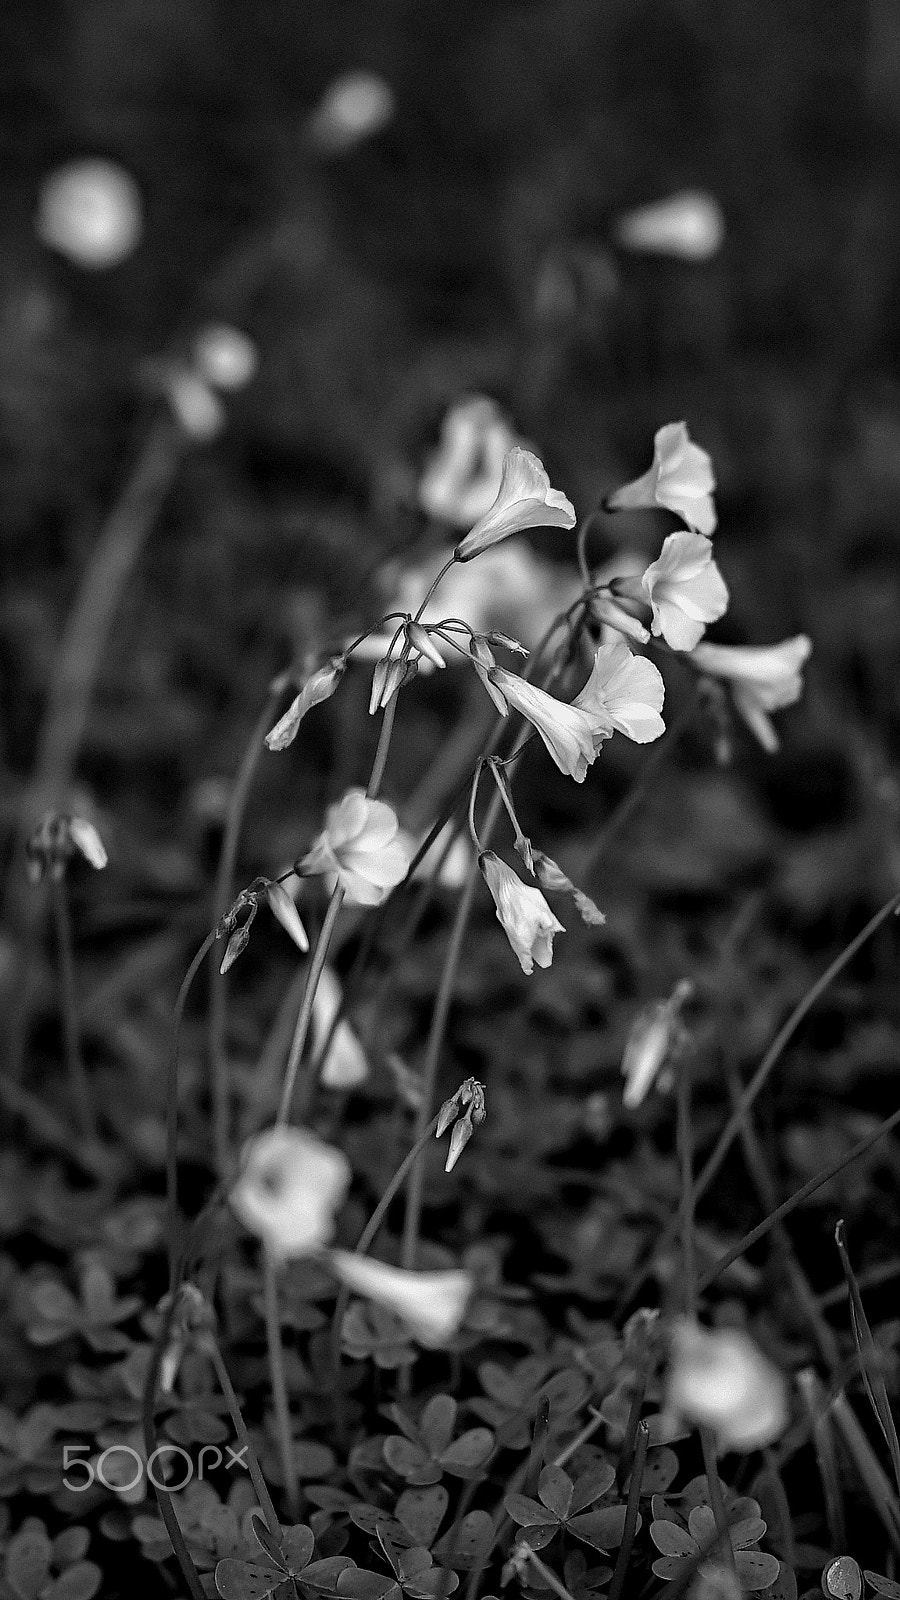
(462, 477)
(689, 225)
(763, 678)
(432, 1304)
(290, 1188)
(90, 211)
(718, 1378)
(225, 357)
(354, 107)
(344, 1065)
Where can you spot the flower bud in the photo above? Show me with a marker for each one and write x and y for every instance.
(88, 842)
(420, 640)
(387, 679)
(282, 906)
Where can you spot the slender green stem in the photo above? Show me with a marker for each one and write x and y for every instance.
(631, 1513)
(173, 1215)
(222, 897)
(78, 1079)
(716, 1500)
(686, 1164)
(279, 1386)
(548, 1576)
(211, 1346)
(148, 1415)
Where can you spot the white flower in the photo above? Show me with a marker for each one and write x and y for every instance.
(289, 1190)
(719, 1379)
(685, 590)
(654, 1032)
(572, 736)
(90, 211)
(345, 1065)
(432, 1304)
(626, 690)
(319, 686)
(680, 480)
(225, 357)
(462, 478)
(522, 912)
(763, 678)
(361, 847)
(88, 842)
(524, 500)
(353, 108)
(688, 225)
(195, 405)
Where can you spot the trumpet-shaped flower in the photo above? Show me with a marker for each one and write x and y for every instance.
(688, 225)
(290, 1188)
(685, 590)
(462, 478)
(432, 1304)
(361, 848)
(524, 500)
(719, 1379)
(344, 1065)
(626, 690)
(572, 735)
(680, 480)
(522, 912)
(763, 678)
(319, 686)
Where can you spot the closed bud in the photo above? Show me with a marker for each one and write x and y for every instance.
(484, 661)
(88, 842)
(459, 1138)
(505, 642)
(282, 906)
(237, 944)
(387, 679)
(605, 609)
(420, 640)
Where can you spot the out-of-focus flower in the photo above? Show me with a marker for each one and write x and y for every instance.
(465, 1110)
(524, 500)
(289, 1191)
(680, 480)
(345, 1065)
(320, 686)
(655, 1033)
(457, 858)
(461, 480)
(225, 357)
(626, 690)
(551, 877)
(354, 107)
(689, 225)
(361, 848)
(719, 1379)
(572, 736)
(56, 839)
(685, 589)
(90, 211)
(522, 912)
(763, 678)
(432, 1304)
(195, 405)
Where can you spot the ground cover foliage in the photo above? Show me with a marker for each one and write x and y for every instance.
(468, 247)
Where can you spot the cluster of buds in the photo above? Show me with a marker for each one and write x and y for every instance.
(56, 839)
(239, 919)
(465, 1110)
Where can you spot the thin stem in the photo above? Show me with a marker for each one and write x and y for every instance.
(439, 579)
(148, 1415)
(548, 1576)
(210, 1344)
(173, 1228)
(279, 1386)
(222, 897)
(716, 1500)
(686, 1164)
(631, 1512)
(78, 1079)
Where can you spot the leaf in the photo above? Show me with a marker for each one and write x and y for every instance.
(869, 1360)
(410, 1460)
(467, 1544)
(670, 1540)
(70, 1545)
(756, 1569)
(842, 1579)
(526, 1512)
(555, 1491)
(785, 1585)
(421, 1511)
(668, 1566)
(28, 1562)
(660, 1470)
(266, 1542)
(358, 1584)
(436, 1581)
(324, 1574)
(602, 1529)
(413, 1562)
(437, 1422)
(244, 1580)
(747, 1532)
(371, 1518)
(297, 1545)
(468, 1451)
(882, 1585)
(79, 1582)
(591, 1485)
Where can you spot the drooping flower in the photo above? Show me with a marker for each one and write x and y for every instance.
(626, 690)
(572, 736)
(319, 686)
(354, 107)
(361, 847)
(551, 877)
(719, 1378)
(685, 590)
(655, 1033)
(763, 678)
(90, 211)
(522, 912)
(681, 480)
(344, 1065)
(432, 1304)
(524, 500)
(290, 1188)
(462, 478)
(688, 225)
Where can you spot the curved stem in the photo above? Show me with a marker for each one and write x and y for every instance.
(172, 1212)
(279, 1386)
(210, 1345)
(631, 1512)
(148, 1417)
(222, 897)
(78, 1079)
